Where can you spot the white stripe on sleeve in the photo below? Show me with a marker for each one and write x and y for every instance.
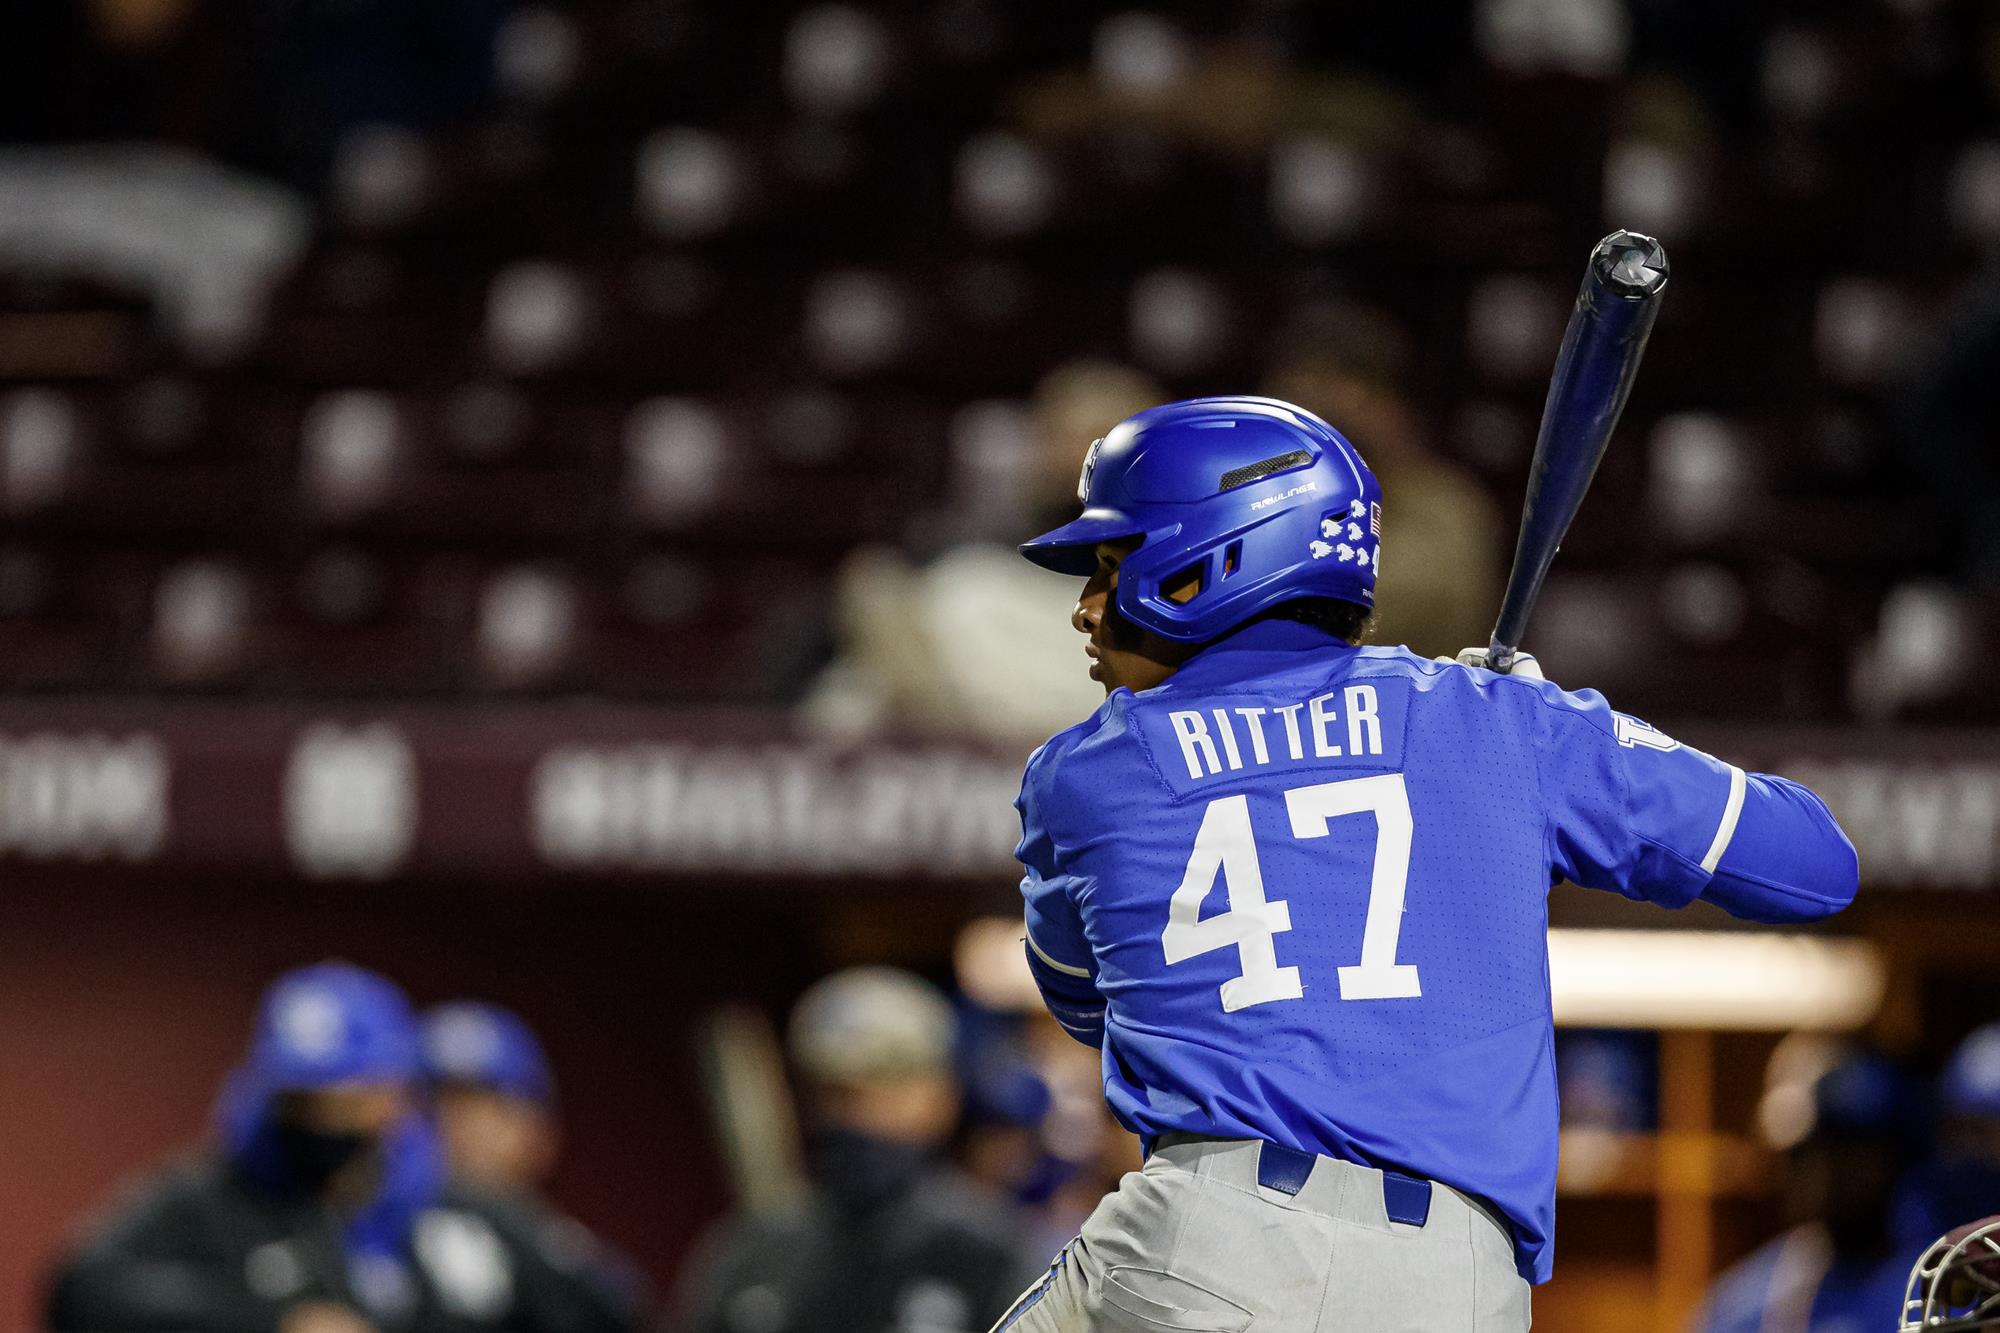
(1069, 971)
(1731, 812)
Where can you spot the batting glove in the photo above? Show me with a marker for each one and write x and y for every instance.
(1524, 663)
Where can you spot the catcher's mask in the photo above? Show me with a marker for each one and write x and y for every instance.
(1955, 1287)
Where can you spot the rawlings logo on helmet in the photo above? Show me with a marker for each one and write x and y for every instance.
(1306, 488)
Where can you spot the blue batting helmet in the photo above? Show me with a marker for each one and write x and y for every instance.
(1260, 501)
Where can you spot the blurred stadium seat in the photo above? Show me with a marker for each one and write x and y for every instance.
(675, 276)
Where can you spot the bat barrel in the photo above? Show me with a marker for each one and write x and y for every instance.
(1595, 367)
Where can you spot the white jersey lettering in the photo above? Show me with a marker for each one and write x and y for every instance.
(1323, 718)
(1196, 745)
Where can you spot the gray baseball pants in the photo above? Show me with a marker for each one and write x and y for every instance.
(1194, 1241)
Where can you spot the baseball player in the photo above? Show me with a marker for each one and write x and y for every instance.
(1840, 1267)
(890, 1238)
(323, 1207)
(1295, 889)
(1960, 1181)
(494, 1096)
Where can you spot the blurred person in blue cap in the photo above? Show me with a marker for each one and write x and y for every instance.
(322, 1206)
(1960, 1180)
(494, 1097)
(890, 1238)
(494, 1094)
(1840, 1268)
(1000, 1139)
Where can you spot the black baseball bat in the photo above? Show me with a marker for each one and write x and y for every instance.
(1594, 371)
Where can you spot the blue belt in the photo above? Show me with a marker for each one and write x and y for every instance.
(1407, 1199)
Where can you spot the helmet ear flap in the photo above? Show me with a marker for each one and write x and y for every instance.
(1203, 573)
(1155, 600)
(1167, 603)
(1188, 582)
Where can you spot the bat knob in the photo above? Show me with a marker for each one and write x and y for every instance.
(1630, 263)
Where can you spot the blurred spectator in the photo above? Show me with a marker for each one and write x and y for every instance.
(889, 1237)
(1443, 542)
(205, 243)
(1006, 1103)
(1037, 1126)
(1147, 76)
(978, 642)
(1840, 1267)
(494, 1095)
(323, 1208)
(1960, 1182)
(495, 1101)
(1088, 1151)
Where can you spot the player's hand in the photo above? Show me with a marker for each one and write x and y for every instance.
(1524, 663)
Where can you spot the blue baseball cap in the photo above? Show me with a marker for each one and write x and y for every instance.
(469, 1041)
(1971, 1082)
(333, 1023)
(1866, 1095)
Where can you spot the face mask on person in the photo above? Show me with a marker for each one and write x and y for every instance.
(859, 1173)
(313, 1157)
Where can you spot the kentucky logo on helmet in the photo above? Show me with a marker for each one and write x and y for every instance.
(1089, 466)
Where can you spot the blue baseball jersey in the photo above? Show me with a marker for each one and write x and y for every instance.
(1299, 893)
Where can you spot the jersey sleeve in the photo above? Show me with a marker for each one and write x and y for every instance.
(1059, 954)
(1634, 811)
(1788, 860)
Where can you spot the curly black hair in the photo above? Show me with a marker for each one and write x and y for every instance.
(1347, 621)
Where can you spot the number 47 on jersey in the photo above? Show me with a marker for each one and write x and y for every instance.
(1226, 846)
